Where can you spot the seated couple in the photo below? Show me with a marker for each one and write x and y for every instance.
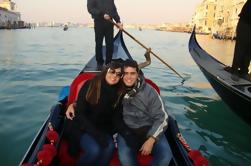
(118, 100)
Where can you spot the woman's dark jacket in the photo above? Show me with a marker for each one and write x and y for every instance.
(95, 120)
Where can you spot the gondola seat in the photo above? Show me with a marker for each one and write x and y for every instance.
(64, 158)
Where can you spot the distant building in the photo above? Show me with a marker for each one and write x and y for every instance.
(9, 17)
(7, 4)
(204, 16)
(218, 17)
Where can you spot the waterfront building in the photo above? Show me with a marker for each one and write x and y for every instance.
(218, 17)
(204, 16)
(9, 17)
(8, 4)
(224, 25)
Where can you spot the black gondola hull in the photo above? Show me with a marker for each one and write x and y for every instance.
(236, 94)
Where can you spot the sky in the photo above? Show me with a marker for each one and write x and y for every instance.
(130, 11)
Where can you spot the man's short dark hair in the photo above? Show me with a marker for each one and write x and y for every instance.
(131, 63)
(114, 64)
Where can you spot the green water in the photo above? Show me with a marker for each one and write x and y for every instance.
(36, 63)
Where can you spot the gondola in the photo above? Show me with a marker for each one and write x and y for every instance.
(50, 148)
(236, 94)
(65, 27)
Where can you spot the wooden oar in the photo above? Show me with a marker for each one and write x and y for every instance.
(170, 67)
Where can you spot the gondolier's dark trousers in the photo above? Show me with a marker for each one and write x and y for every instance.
(103, 29)
(242, 51)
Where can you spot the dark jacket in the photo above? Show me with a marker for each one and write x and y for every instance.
(95, 120)
(97, 8)
(245, 14)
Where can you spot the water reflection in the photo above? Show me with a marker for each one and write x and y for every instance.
(215, 125)
(223, 50)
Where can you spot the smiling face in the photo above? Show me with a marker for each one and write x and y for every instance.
(130, 76)
(113, 76)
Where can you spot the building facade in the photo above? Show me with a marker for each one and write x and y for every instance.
(204, 16)
(9, 17)
(218, 17)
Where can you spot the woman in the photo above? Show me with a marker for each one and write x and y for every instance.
(91, 129)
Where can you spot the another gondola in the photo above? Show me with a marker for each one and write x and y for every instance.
(236, 94)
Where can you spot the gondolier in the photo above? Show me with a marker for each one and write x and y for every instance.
(242, 51)
(102, 12)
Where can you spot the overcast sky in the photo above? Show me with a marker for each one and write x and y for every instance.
(130, 11)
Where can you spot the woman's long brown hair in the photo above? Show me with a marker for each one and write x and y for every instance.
(94, 89)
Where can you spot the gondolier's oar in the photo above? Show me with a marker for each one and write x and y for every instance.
(150, 50)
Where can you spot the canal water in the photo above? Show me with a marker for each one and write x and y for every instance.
(36, 63)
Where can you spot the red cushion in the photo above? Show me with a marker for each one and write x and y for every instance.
(142, 160)
(77, 84)
(66, 160)
(150, 82)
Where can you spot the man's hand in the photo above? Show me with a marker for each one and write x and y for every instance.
(147, 54)
(147, 147)
(119, 26)
(107, 17)
(70, 112)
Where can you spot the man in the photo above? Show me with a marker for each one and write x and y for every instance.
(242, 52)
(103, 11)
(142, 121)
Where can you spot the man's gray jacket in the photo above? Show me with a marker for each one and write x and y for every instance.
(145, 109)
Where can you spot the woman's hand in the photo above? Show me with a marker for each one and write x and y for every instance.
(70, 112)
(147, 147)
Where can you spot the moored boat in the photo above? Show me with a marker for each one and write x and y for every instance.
(50, 148)
(236, 94)
(65, 27)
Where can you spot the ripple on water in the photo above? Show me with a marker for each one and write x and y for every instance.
(35, 64)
